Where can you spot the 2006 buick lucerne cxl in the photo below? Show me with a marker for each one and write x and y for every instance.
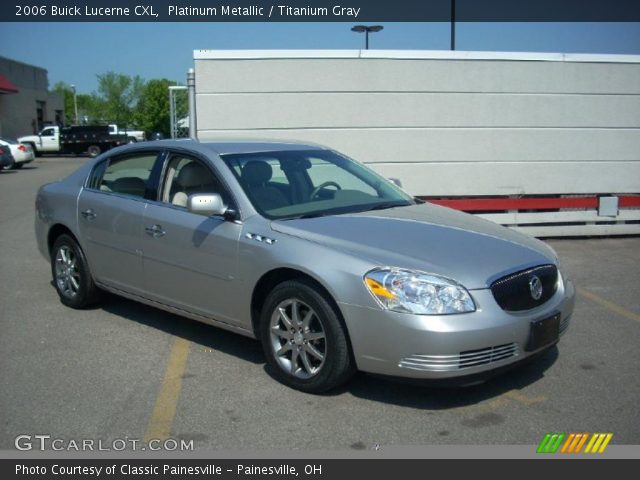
(332, 267)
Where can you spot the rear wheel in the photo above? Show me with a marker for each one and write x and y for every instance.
(17, 166)
(71, 275)
(303, 338)
(94, 150)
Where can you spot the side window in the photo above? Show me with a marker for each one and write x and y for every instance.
(96, 176)
(124, 175)
(47, 132)
(186, 176)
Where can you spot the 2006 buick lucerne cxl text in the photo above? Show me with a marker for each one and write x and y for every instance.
(332, 267)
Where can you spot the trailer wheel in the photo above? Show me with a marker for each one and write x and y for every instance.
(94, 151)
(131, 140)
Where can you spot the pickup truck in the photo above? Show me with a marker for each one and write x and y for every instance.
(132, 135)
(77, 140)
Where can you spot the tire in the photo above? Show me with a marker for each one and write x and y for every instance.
(71, 275)
(17, 166)
(132, 140)
(94, 151)
(317, 344)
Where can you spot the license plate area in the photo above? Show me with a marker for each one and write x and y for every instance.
(543, 332)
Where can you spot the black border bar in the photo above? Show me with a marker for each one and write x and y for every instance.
(310, 468)
(324, 11)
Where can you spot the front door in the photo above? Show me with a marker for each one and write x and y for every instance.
(49, 140)
(190, 260)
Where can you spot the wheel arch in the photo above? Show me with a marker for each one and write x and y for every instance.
(273, 278)
(55, 231)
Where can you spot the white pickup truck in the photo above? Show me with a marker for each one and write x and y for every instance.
(91, 139)
(132, 135)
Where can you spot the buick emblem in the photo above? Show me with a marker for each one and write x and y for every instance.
(535, 286)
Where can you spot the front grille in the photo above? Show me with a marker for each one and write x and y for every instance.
(467, 359)
(564, 324)
(513, 292)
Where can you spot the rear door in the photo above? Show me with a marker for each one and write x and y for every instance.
(190, 260)
(110, 214)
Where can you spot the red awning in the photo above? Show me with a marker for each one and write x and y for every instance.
(6, 86)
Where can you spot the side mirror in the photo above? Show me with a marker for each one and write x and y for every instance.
(396, 181)
(209, 204)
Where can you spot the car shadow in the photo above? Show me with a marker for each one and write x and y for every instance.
(422, 395)
(196, 332)
(400, 392)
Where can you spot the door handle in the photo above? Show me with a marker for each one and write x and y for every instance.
(155, 231)
(89, 214)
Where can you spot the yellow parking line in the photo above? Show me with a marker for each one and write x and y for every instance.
(609, 305)
(165, 408)
(525, 399)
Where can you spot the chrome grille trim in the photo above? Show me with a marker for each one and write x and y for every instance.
(564, 324)
(467, 359)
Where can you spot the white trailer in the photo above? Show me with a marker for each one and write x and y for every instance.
(547, 143)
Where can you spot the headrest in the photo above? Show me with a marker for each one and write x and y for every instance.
(193, 175)
(129, 185)
(256, 173)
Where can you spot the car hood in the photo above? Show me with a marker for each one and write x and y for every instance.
(426, 237)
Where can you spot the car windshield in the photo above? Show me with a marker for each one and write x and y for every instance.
(310, 183)
(8, 140)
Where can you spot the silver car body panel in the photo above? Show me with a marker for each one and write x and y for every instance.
(207, 268)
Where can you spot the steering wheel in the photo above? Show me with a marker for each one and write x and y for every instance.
(316, 190)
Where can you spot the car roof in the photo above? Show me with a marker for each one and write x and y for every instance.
(223, 147)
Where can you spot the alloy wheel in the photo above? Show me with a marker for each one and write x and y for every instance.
(298, 339)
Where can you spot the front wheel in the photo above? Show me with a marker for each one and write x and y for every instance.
(303, 338)
(17, 166)
(71, 275)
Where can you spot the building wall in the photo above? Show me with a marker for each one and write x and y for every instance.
(19, 111)
(444, 123)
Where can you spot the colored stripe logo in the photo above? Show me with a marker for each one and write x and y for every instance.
(574, 442)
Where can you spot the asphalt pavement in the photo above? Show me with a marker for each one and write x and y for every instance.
(125, 370)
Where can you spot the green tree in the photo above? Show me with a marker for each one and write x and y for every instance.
(90, 107)
(120, 94)
(66, 92)
(152, 112)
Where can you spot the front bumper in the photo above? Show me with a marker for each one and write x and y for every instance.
(449, 346)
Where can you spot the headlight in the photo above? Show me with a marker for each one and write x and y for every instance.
(408, 291)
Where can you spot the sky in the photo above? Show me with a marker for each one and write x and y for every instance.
(76, 52)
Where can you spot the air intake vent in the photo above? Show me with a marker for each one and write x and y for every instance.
(467, 359)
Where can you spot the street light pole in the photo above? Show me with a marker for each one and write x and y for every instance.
(366, 29)
(453, 24)
(75, 103)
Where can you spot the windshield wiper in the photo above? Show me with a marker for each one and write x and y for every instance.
(384, 206)
(307, 215)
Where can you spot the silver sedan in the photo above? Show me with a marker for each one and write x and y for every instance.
(332, 267)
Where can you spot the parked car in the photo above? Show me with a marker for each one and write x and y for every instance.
(22, 154)
(90, 139)
(6, 159)
(332, 267)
